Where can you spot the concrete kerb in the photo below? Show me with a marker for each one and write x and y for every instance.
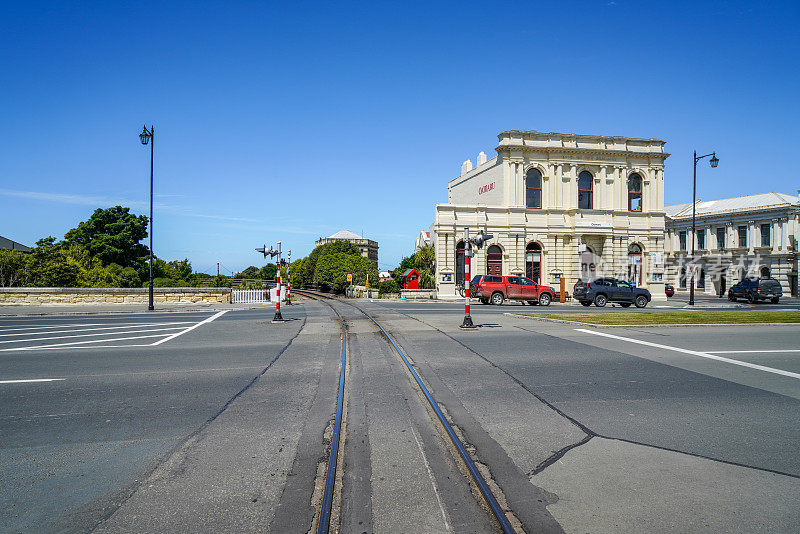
(593, 325)
(67, 310)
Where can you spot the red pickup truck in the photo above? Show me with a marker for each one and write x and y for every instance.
(496, 289)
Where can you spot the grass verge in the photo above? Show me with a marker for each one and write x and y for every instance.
(634, 318)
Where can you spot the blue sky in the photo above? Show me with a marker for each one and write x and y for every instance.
(292, 120)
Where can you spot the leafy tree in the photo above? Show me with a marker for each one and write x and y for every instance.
(221, 281)
(425, 263)
(333, 268)
(250, 272)
(52, 266)
(14, 267)
(113, 236)
(405, 264)
(267, 272)
(388, 286)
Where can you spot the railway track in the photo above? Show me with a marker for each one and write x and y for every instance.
(325, 515)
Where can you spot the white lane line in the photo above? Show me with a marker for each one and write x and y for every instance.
(93, 329)
(694, 353)
(208, 320)
(94, 335)
(31, 380)
(61, 345)
(750, 351)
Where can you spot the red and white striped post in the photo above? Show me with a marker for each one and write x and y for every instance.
(289, 278)
(467, 280)
(278, 317)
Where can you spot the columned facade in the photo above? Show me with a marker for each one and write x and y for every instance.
(752, 236)
(559, 206)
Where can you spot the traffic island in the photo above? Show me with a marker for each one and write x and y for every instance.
(716, 318)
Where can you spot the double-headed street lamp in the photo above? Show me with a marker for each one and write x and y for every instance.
(714, 161)
(145, 137)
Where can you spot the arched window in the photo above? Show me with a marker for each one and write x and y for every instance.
(460, 262)
(494, 261)
(585, 200)
(533, 262)
(533, 189)
(634, 192)
(765, 272)
(635, 264)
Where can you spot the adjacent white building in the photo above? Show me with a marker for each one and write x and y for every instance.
(560, 206)
(748, 236)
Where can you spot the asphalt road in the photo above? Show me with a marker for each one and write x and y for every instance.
(208, 421)
(72, 447)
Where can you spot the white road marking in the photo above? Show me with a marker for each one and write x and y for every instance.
(40, 327)
(60, 345)
(750, 351)
(694, 353)
(110, 340)
(208, 320)
(94, 335)
(31, 380)
(130, 325)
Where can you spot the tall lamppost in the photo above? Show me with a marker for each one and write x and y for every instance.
(145, 137)
(714, 161)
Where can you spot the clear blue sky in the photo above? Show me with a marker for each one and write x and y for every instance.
(292, 120)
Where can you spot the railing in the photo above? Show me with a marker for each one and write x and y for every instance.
(246, 296)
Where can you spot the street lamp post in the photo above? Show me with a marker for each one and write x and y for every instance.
(714, 161)
(145, 137)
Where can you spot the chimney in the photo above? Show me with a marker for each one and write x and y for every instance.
(466, 167)
(481, 158)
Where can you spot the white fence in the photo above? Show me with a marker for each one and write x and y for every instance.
(245, 296)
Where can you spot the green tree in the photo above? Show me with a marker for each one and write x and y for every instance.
(267, 272)
(405, 264)
(14, 268)
(425, 263)
(250, 272)
(112, 235)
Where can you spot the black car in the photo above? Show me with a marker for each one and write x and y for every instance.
(755, 289)
(604, 290)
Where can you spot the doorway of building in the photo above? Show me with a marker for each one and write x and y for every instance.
(494, 261)
(460, 263)
(533, 262)
(722, 286)
(635, 265)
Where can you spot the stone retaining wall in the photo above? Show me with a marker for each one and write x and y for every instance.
(79, 295)
(418, 293)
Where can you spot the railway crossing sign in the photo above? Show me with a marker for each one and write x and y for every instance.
(349, 277)
(691, 267)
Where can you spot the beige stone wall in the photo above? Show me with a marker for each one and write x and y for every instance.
(23, 296)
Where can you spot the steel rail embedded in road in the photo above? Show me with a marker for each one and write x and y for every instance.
(330, 476)
(486, 492)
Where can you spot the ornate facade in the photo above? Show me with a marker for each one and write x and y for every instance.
(749, 236)
(559, 206)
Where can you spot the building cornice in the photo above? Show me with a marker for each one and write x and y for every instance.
(579, 151)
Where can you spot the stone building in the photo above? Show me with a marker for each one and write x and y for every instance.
(559, 206)
(368, 247)
(749, 236)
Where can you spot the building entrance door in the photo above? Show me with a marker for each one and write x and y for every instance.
(494, 261)
(722, 286)
(533, 262)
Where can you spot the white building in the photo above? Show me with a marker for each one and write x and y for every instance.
(560, 206)
(423, 239)
(749, 236)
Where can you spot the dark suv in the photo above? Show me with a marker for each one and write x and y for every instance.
(496, 289)
(755, 289)
(604, 290)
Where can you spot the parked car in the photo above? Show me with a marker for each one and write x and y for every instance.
(603, 290)
(755, 289)
(496, 289)
(669, 290)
